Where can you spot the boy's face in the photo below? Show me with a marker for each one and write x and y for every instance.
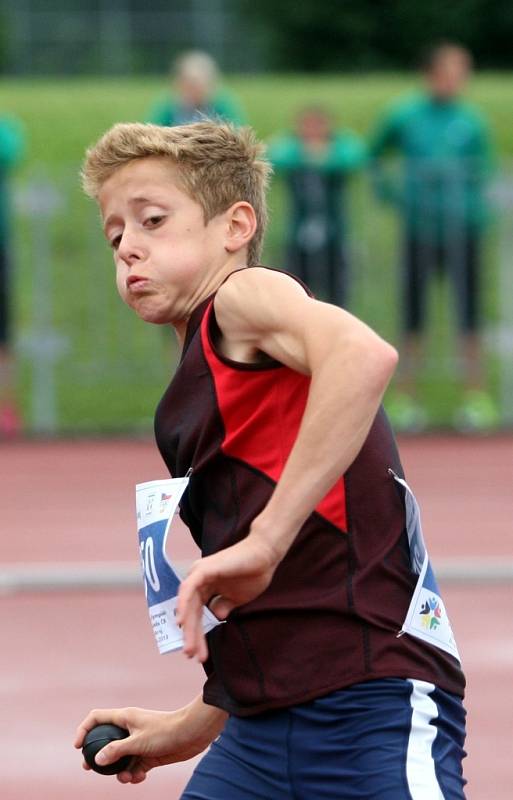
(166, 257)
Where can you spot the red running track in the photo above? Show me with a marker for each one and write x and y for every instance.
(63, 653)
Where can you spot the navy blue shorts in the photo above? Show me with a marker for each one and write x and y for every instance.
(387, 739)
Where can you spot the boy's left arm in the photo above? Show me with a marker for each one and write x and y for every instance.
(349, 365)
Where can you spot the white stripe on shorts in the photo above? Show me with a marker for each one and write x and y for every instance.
(420, 767)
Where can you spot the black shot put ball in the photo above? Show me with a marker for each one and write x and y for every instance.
(99, 737)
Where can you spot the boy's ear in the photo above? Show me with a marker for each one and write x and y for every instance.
(241, 226)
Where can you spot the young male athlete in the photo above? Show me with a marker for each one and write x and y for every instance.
(296, 499)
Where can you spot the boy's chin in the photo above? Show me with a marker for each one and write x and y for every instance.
(156, 316)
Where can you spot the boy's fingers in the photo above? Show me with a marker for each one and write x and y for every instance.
(98, 716)
(190, 617)
(195, 584)
(201, 645)
(193, 594)
(190, 598)
(128, 777)
(131, 777)
(193, 626)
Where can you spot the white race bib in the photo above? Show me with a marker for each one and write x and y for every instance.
(426, 618)
(157, 504)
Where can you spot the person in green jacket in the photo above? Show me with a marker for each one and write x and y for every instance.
(11, 149)
(315, 162)
(195, 94)
(437, 183)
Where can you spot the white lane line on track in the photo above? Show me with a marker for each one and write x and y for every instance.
(112, 575)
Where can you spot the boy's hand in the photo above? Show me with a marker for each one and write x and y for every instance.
(156, 737)
(227, 579)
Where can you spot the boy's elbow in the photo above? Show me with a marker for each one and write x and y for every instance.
(370, 359)
(390, 357)
(385, 363)
(380, 359)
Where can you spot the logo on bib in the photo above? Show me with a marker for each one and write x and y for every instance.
(426, 618)
(431, 614)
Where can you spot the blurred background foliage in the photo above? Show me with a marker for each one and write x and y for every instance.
(365, 34)
(244, 35)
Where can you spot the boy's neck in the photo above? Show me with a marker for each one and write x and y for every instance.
(208, 288)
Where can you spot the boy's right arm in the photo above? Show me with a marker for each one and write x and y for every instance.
(156, 737)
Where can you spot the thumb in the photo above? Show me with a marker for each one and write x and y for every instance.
(114, 751)
(220, 606)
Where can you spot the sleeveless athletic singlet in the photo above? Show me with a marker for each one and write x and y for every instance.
(331, 615)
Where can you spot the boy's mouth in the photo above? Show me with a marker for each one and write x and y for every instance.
(135, 280)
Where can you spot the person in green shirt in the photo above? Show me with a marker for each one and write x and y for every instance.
(437, 183)
(315, 162)
(11, 149)
(195, 94)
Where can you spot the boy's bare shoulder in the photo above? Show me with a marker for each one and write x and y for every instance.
(255, 284)
(252, 297)
(254, 308)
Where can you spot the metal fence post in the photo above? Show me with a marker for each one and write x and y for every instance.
(40, 201)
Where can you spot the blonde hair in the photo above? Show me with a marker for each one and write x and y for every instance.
(217, 165)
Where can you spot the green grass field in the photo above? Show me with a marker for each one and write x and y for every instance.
(115, 368)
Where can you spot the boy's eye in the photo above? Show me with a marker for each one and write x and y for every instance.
(115, 242)
(154, 220)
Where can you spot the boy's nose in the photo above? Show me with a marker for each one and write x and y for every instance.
(129, 250)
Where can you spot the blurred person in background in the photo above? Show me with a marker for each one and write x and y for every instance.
(11, 149)
(195, 93)
(315, 161)
(443, 148)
